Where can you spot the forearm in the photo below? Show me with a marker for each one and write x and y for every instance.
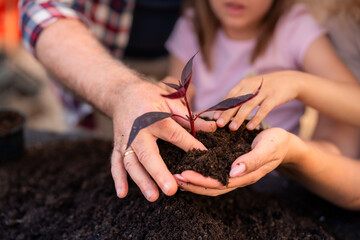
(322, 170)
(338, 100)
(75, 57)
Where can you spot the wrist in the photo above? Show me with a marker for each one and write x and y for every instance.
(297, 152)
(113, 86)
(81, 63)
(302, 80)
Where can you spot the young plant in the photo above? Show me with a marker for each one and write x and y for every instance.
(150, 118)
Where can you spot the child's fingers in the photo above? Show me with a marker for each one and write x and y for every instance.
(244, 111)
(262, 112)
(226, 116)
(217, 114)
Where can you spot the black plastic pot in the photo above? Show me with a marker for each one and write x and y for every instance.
(12, 124)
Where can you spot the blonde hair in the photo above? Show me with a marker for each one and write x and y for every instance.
(206, 25)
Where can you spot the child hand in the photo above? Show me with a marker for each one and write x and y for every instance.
(278, 88)
(271, 148)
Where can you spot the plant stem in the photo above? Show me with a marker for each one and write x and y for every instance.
(175, 115)
(192, 126)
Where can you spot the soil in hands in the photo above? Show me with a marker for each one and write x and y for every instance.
(65, 191)
(224, 146)
(8, 121)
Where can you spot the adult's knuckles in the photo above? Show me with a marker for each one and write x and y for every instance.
(176, 136)
(129, 164)
(143, 155)
(159, 177)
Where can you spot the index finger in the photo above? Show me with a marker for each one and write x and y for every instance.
(168, 130)
(148, 154)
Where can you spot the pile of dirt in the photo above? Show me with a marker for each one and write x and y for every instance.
(65, 191)
(224, 146)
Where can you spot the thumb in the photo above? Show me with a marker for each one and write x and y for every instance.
(247, 163)
(252, 160)
(268, 146)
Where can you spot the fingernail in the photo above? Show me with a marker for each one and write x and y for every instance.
(216, 115)
(149, 193)
(166, 187)
(118, 192)
(237, 170)
(250, 126)
(233, 125)
(181, 178)
(220, 122)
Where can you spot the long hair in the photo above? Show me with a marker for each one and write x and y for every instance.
(206, 25)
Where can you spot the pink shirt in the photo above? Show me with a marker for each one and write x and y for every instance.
(295, 31)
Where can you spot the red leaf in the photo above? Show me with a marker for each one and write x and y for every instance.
(180, 93)
(187, 72)
(174, 86)
(187, 83)
(231, 102)
(144, 121)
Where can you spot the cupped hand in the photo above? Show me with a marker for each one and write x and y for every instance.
(145, 165)
(269, 149)
(277, 88)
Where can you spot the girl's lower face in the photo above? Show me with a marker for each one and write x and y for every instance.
(240, 18)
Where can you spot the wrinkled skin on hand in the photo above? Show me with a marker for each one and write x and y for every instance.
(145, 166)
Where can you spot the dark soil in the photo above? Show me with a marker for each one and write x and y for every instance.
(224, 146)
(65, 191)
(8, 121)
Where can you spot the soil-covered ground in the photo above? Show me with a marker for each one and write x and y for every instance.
(8, 121)
(65, 191)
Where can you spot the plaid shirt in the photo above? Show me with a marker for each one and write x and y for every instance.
(109, 20)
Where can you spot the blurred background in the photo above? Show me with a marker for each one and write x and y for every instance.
(24, 84)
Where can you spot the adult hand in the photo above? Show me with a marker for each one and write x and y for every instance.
(82, 64)
(278, 88)
(145, 165)
(269, 149)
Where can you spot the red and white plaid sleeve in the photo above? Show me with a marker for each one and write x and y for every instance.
(35, 15)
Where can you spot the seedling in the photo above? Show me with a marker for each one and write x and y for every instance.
(150, 118)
